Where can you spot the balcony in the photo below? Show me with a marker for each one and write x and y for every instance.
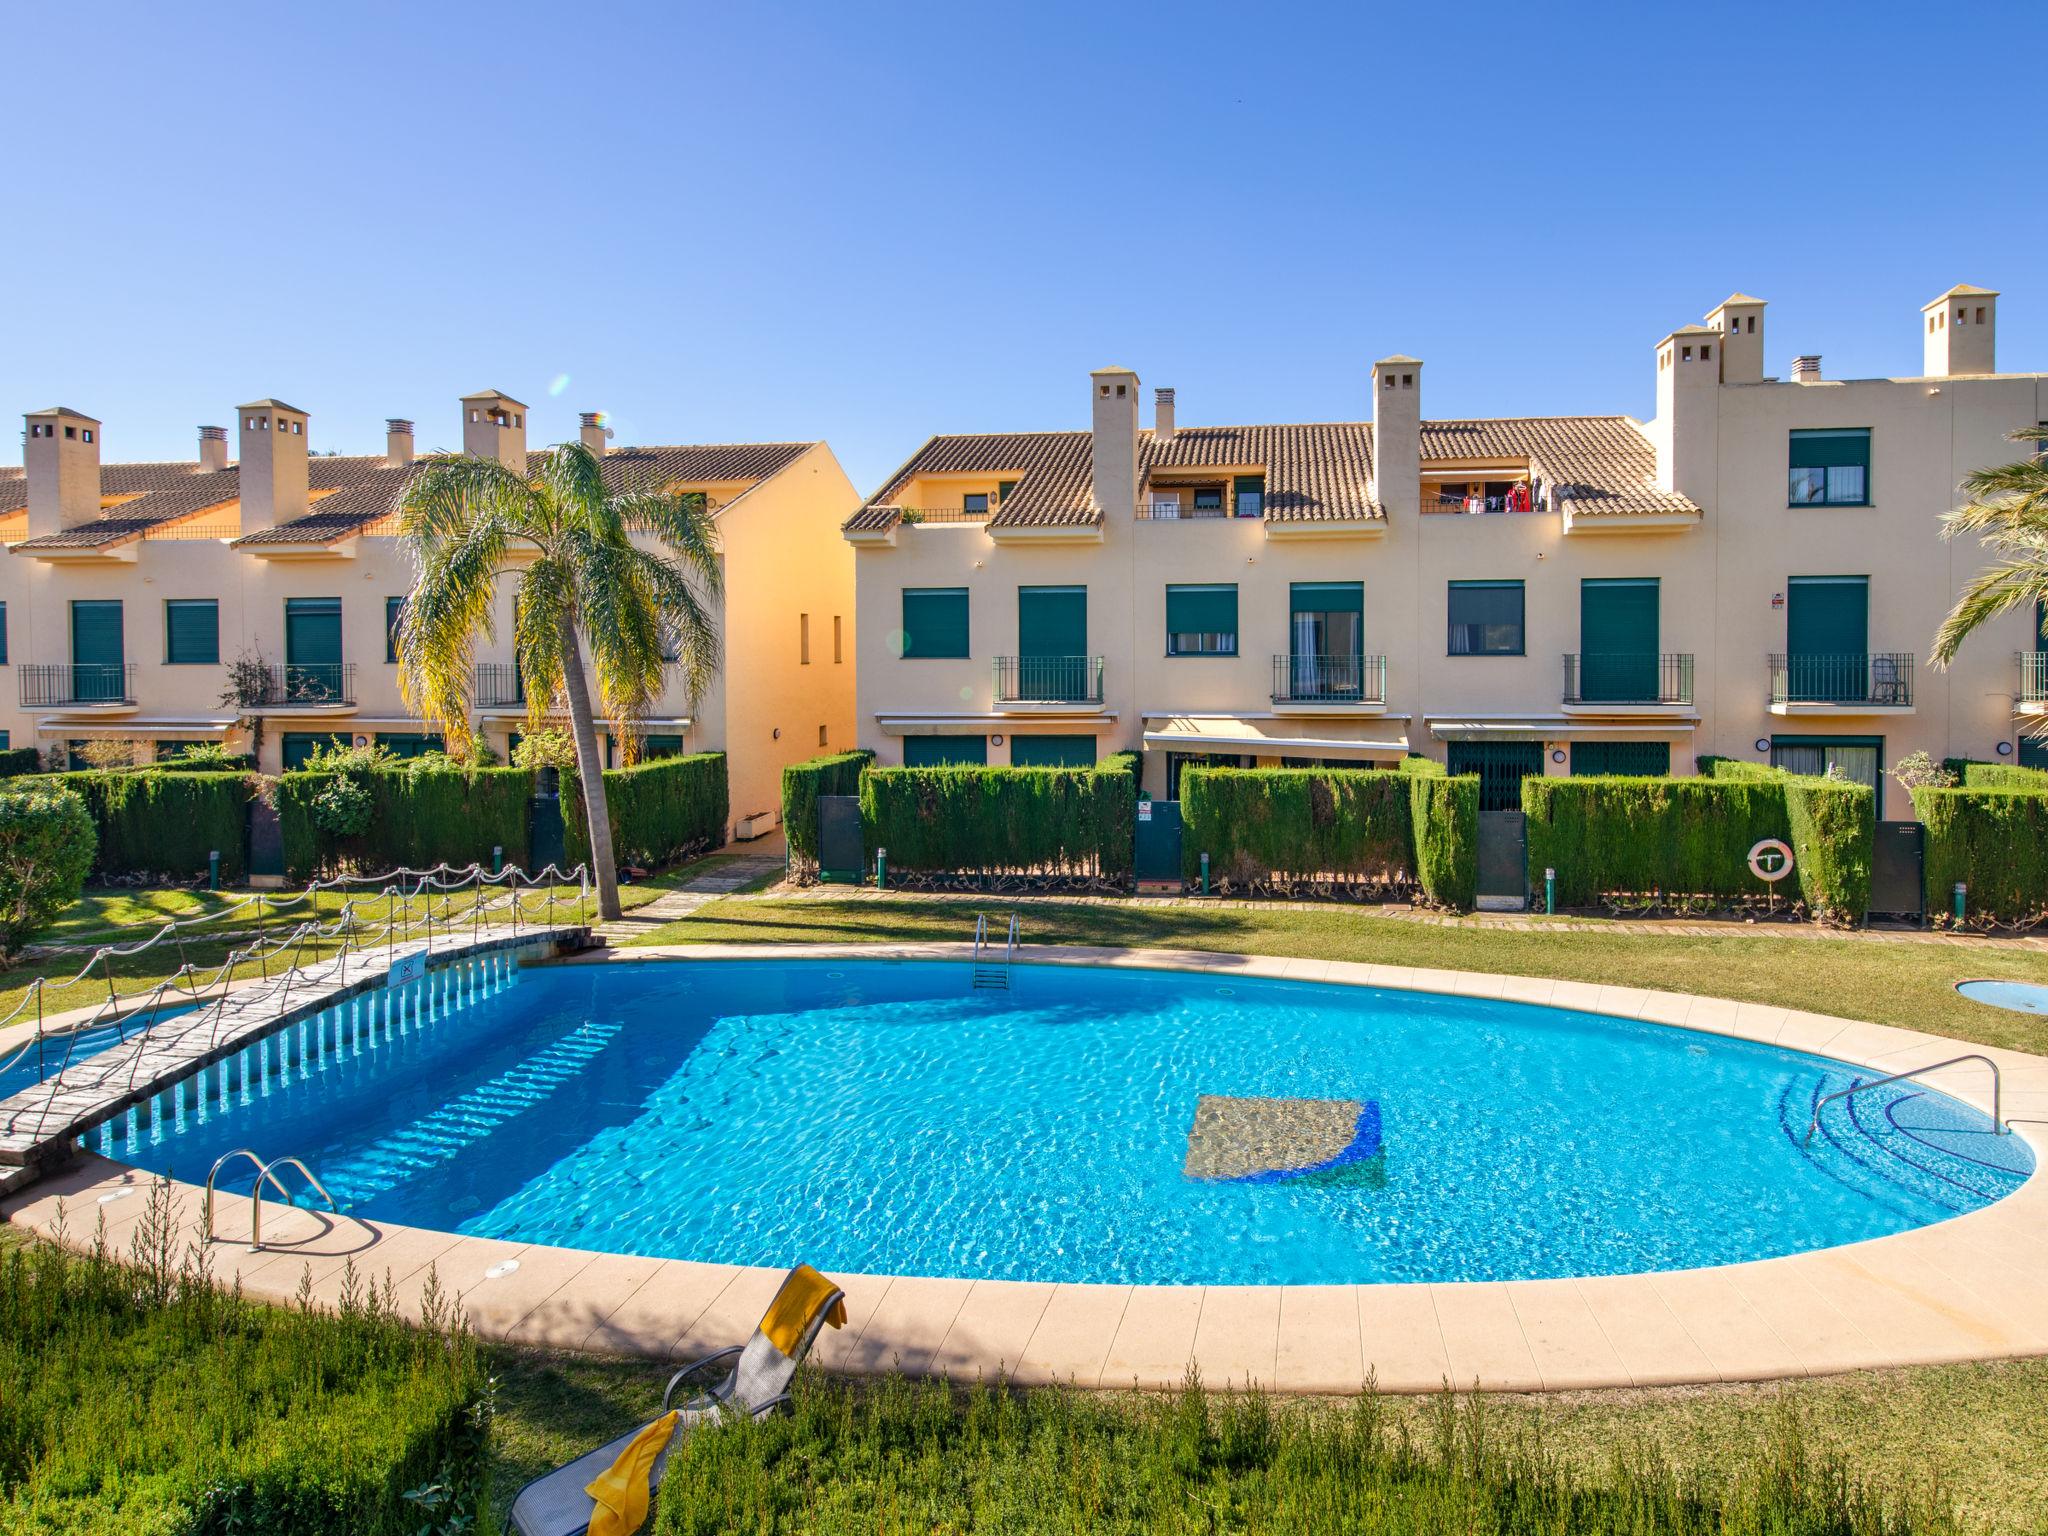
(1629, 680)
(2032, 698)
(1061, 681)
(69, 684)
(307, 685)
(499, 685)
(1358, 682)
(1844, 684)
(918, 517)
(1480, 497)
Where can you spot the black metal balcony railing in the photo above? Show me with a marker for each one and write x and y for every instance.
(914, 516)
(1166, 509)
(498, 683)
(2034, 677)
(1048, 679)
(86, 682)
(1521, 499)
(1884, 678)
(1627, 678)
(1307, 679)
(309, 683)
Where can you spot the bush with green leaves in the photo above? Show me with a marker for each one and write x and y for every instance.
(161, 824)
(548, 747)
(1992, 841)
(1288, 827)
(139, 1399)
(1445, 815)
(415, 820)
(46, 848)
(802, 784)
(16, 761)
(1975, 775)
(661, 811)
(341, 810)
(1063, 824)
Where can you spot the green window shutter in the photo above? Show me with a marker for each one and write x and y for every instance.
(1618, 640)
(298, 746)
(1825, 450)
(1637, 759)
(1052, 621)
(394, 610)
(934, 621)
(312, 631)
(96, 634)
(1201, 610)
(410, 743)
(191, 631)
(1827, 616)
(945, 751)
(1485, 618)
(1052, 751)
(1248, 495)
(1829, 468)
(1003, 489)
(1327, 597)
(660, 746)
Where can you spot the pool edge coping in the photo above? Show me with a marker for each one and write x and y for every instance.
(1960, 1289)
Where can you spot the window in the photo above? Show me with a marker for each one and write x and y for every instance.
(298, 746)
(1003, 489)
(934, 622)
(821, 736)
(1485, 618)
(191, 631)
(652, 747)
(1248, 495)
(410, 743)
(1855, 758)
(1636, 759)
(1177, 762)
(975, 505)
(945, 751)
(3, 634)
(1201, 621)
(1052, 751)
(394, 612)
(1830, 468)
(838, 638)
(803, 639)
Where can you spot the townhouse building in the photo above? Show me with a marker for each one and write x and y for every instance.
(1757, 573)
(130, 590)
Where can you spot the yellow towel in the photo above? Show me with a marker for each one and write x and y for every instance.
(621, 1491)
(790, 1313)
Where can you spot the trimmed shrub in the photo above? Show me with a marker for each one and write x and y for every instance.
(1059, 823)
(1318, 826)
(145, 1399)
(46, 847)
(416, 819)
(1995, 841)
(1668, 837)
(17, 761)
(162, 824)
(1445, 814)
(1834, 841)
(660, 811)
(1975, 775)
(802, 784)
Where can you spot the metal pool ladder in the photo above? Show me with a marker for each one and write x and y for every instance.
(265, 1172)
(1997, 1121)
(990, 973)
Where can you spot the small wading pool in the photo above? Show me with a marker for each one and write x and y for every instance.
(2019, 996)
(1092, 1125)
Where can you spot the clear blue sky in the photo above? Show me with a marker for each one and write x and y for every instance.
(870, 223)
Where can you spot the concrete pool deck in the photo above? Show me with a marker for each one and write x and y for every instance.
(1974, 1287)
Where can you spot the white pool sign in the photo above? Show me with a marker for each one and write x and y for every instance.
(1770, 860)
(407, 969)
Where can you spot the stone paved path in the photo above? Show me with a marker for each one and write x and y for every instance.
(685, 899)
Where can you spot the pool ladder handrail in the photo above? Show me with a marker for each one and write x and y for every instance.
(1997, 1120)
(264, 1171)
(989, 974)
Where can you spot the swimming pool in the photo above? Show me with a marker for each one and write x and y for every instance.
(1091, 1125)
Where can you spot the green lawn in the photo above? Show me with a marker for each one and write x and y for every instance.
(1890, 981)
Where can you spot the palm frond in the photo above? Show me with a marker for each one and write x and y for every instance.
(546, 591)
(2010, 584)
(682, 521)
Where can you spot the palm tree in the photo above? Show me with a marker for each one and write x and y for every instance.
(638, 610)
(2008, 509)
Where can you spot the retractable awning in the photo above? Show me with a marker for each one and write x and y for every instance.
(156, 727)
(1249, 735)
(1552, 728)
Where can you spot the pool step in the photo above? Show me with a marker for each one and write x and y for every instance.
(1905, 1141)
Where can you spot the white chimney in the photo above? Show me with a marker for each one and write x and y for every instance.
(494, 427)
(1806, 368)
(592, 431)
(272, 463)
(1162, 415)
(1740, 320)
(62, 457)
(1114, 398)
(1960, 329)
(213, 450)
(1397, 435)
(398, 442)
(1687, 428)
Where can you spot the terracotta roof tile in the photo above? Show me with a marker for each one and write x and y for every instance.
(1605, 466)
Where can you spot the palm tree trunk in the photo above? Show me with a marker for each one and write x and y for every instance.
(590, 766)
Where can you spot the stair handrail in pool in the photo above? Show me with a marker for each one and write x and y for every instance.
(213, 1177)
(1997, 1121)
(356, 933)
(265, 1172)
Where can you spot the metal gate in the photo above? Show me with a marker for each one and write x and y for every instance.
(1158, 851)
(1897, 870)
(842, 858)
(1503, 857)
(266, 843)
(546, 842)
(1501, 766)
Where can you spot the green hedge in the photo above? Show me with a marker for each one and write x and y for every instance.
(1070, 823)
(1994, 841)
(802, 784)
(162, 823)
(139, 1400)
(660, 811)
(420, 819)
(16, 761)
(1974, 775)
(1445, 813)
(1690, 837)
(1296, 824)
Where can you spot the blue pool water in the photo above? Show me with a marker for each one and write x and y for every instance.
(25, 1064)
(875, 1116)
